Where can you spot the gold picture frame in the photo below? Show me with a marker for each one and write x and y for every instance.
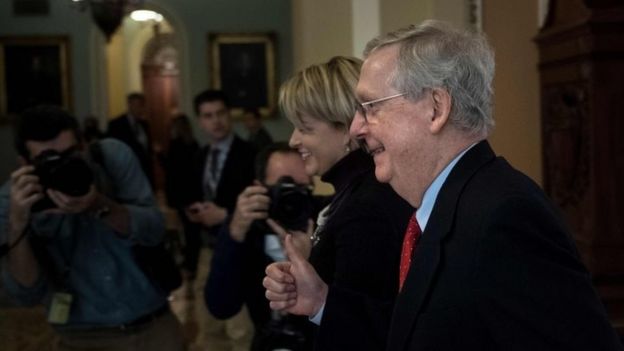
(33, 70)
(243, 66)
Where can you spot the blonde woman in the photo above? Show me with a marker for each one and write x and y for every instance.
(356, 248)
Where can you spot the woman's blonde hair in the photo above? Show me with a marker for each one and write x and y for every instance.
(324, 91)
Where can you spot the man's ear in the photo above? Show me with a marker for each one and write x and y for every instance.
(441, 101)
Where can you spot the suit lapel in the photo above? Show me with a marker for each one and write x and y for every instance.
(426, 258)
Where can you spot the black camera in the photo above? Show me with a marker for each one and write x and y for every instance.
(291, 204)
(62, 171)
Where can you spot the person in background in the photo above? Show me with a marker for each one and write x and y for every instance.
(132, 128)
(223, 169)
(178, 164)
(246, 246)
(258, 135)
(357, 243)
(74, 252)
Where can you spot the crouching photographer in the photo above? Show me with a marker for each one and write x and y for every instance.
(246, 245)
(75, 218)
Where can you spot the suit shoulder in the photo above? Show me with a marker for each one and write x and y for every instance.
(243, 144)
(117, 120)
(243, 148)
(501, 180)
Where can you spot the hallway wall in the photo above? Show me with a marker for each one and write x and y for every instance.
(308, 31)
(517, 134)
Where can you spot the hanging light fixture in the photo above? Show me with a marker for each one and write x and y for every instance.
(146, 16)
(107, 14)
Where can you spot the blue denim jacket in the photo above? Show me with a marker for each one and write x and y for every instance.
(107, 286)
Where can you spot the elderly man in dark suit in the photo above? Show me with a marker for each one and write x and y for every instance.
(487, 262)
(133, 129)
(495, 268)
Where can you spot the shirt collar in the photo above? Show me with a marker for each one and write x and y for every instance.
(431, 194)
(224, 145)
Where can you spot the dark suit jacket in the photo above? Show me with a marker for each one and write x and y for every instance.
(119, 128)
(260, 139)
(237, 173)
(358, 256)
(496, 269)
(179, 166)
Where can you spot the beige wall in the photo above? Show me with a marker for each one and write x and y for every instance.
(400, 13)
(321, 29)
(115, 76)
(511, 26)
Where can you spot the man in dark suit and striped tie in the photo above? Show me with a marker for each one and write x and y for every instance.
(224, 167)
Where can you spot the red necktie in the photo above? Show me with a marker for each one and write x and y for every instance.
(409, 242)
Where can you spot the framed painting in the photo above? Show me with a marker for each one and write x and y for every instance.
(243, 66)
(33, 71)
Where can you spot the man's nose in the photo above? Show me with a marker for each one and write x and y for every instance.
(358, 126)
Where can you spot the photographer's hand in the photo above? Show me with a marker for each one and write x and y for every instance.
(72, 204)
(206, 213)
(294, 286)
(301, 240)
(112, 213)
(25, 191)
(252, 204)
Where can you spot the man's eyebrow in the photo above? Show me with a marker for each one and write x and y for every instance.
(364, 96)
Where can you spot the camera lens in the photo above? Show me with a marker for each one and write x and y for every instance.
(68, 174)
(291, 204)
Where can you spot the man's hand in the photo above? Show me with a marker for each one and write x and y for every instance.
(206, 213)
(301, 240)
(294, 286)
(72, 204)
(252, 204)
(25, 191)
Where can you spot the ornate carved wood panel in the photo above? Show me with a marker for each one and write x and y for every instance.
(581, 67)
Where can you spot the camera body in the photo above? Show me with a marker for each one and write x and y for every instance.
(291, 204)
(67, 173)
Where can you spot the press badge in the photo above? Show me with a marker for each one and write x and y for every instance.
(59, 308)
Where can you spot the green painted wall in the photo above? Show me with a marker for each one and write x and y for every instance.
(194, 19)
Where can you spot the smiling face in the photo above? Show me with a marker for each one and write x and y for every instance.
(319, 143)
(398, 131)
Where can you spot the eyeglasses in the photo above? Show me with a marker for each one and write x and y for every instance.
(364, 108)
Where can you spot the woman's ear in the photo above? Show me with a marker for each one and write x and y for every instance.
(441, 101)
